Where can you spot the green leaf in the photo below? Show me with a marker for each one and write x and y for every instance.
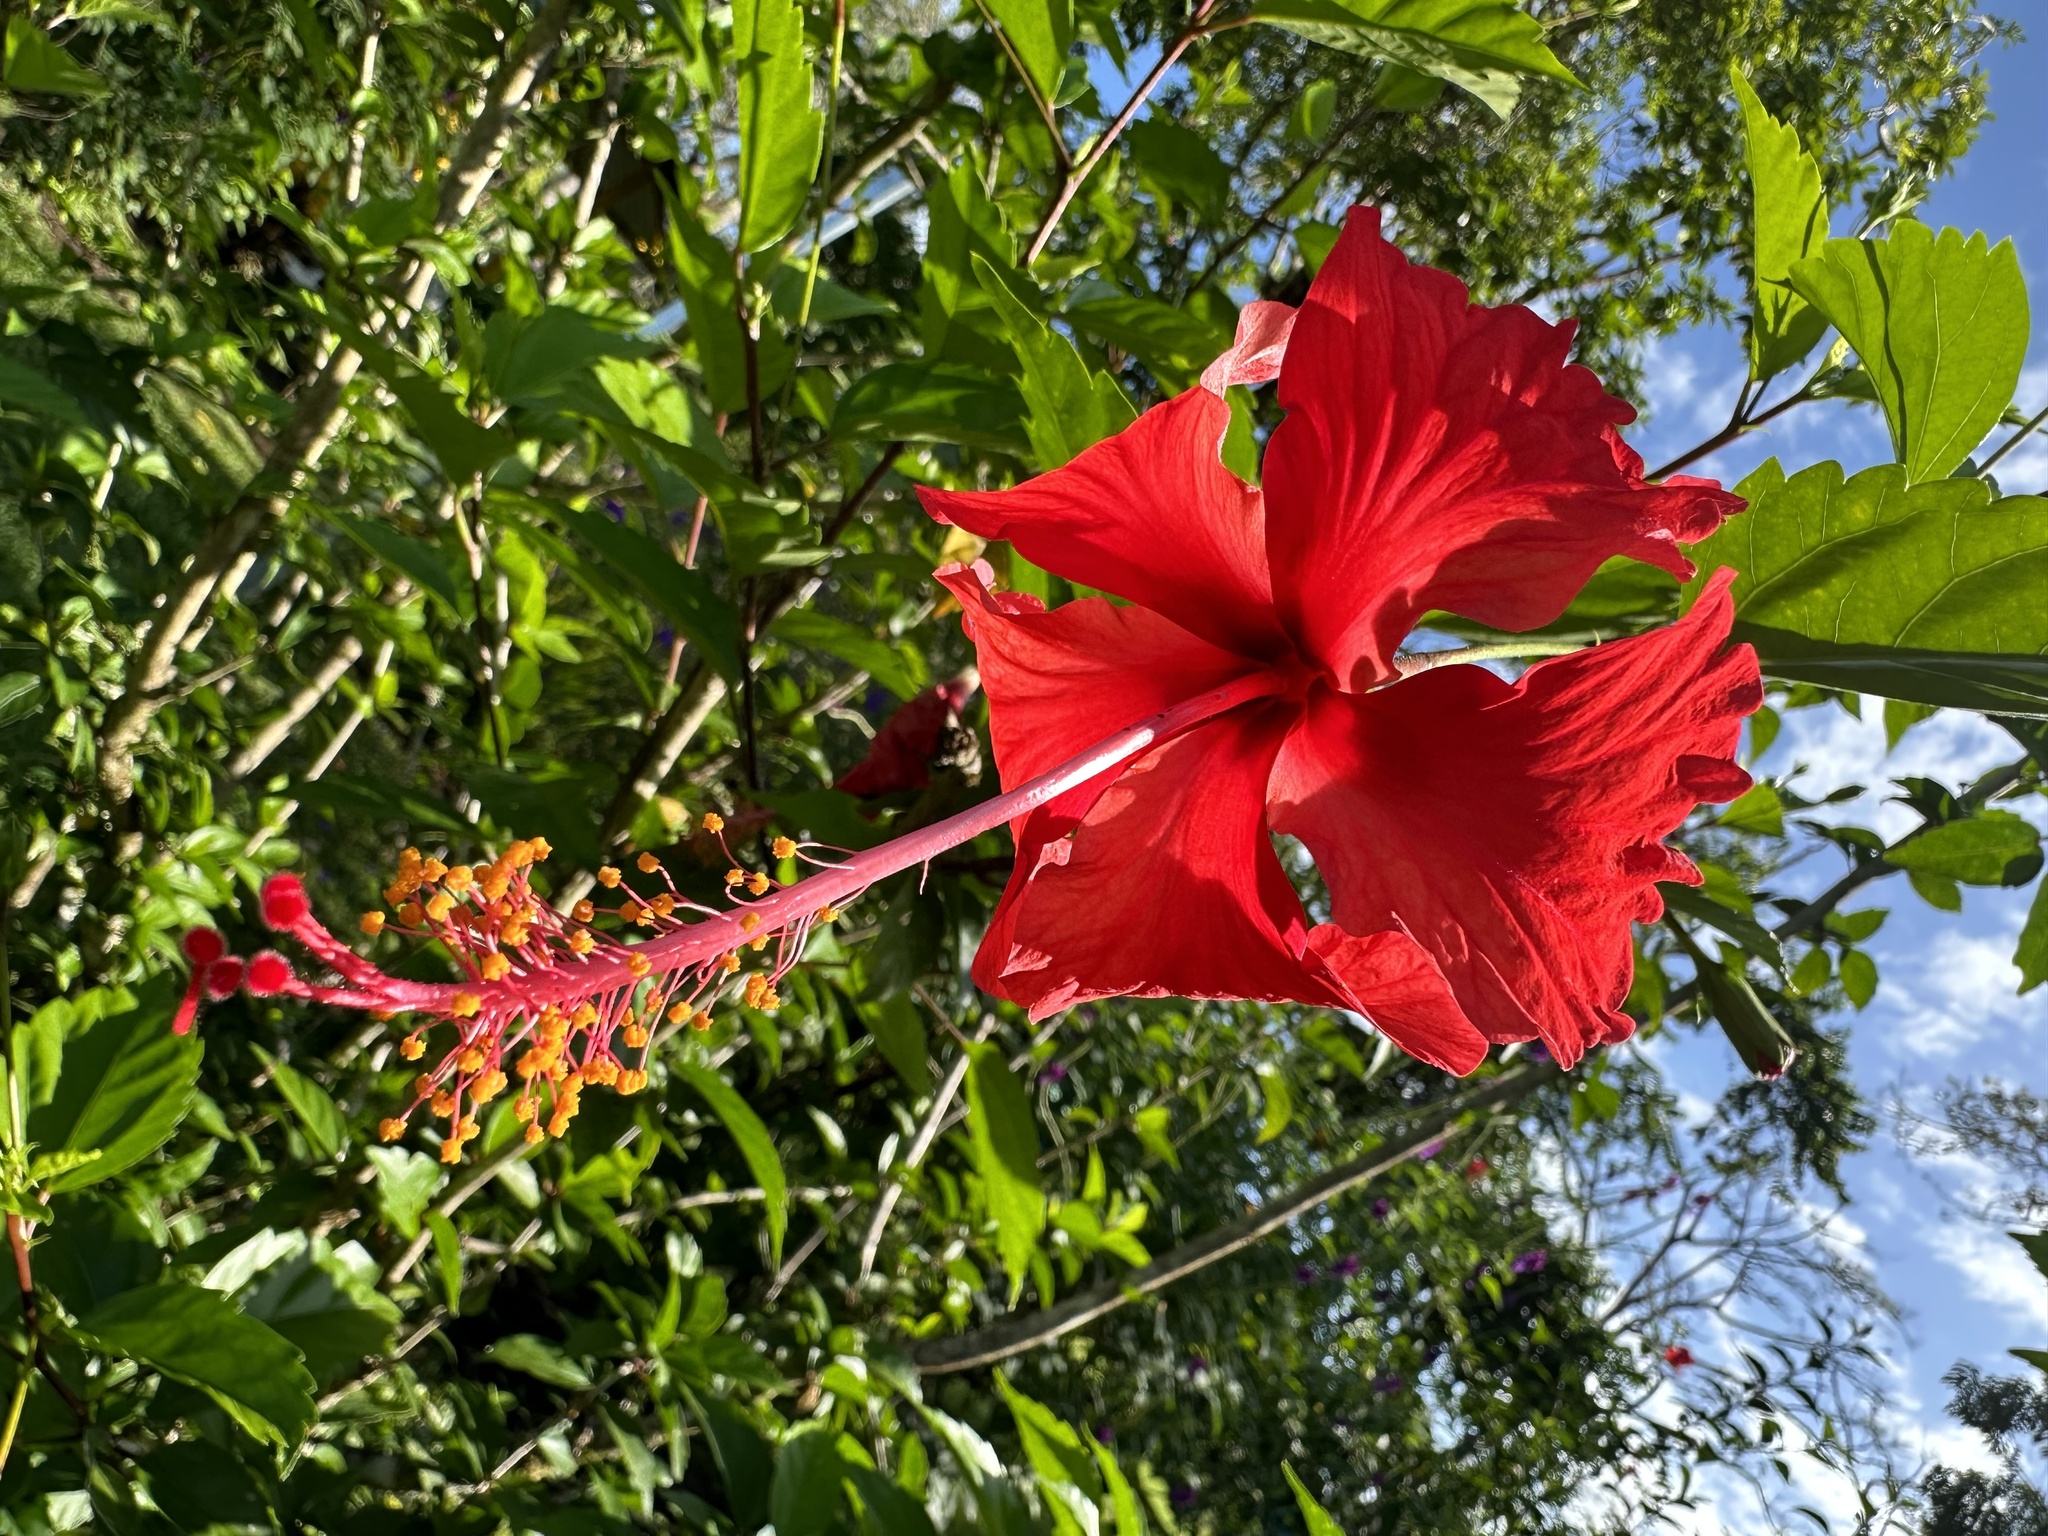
(1989, 848)
(318, 1115)
(1175, 344)
(1759, 1039)
(1279, 1100)
(447, 1259)
(1925, 592)
(1900, 716)
(463, 449)
(21, 695)
(684, 596)
(1004, 1136)
(743, 1458)
(406, 1181)
(431, 566)
(781, 133)
(1739, 926)
(2032, 955)
(325, 1303)
(936, 403)
(1069, 407)
(901, 671)
(1788, 220)
(1938, 891)
(889, 1511)
(755, 1144)
(1859, 977)
(126, 1084)
(1153, 1126)
(1042, 32)
(1179, 165)
(1941, 325)
(25, 389)
(899, 1030)
(1066, 1473)
(539, 1359)
(1760, 809)
(803, 1498)
(1317, 1518)
(1123, 1500)
(34, 63)
(1486, 46)
(193, 1334)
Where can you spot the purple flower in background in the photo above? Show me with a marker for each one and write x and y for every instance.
(1198, 1367)
(1389, 1384)
(1053, 1072)
(1701, 1202)
(1105, 1434)
(1347, 1266)
(1530, 1263)
(1424, 1154)
(664, 637)
(1538, 1051)
(1183, 1496)
(1308, 1274)
(615, 509)
(1380, 1209)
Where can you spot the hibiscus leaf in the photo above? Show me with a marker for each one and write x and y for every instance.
(1042, 32)
(756, 1145)
(933, 403)
(1279, 1102)
(1788, 220)
(1940, 323)
(1926, 592)
(781, 132)
(1486, 46)
(1989, 848)
(1738, 926)
(35, 63)
(896, 668)
(198, 1336)
(685, 597)
(1005, 1141)
(1071, 407)
(1318, 1518)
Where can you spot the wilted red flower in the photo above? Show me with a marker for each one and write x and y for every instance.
(901, 754)
(1678, 1357)
(1486, 844)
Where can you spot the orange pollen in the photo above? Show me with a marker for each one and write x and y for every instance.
(735, 876)
(443, 1103)
(783, 848)
(631, 1080)
(663, 905)
(731, 964)
(451, 1151)
(678, 1013)
(583, 911)
(523, 1110)
(582, 943)
(828, 914)
(757, 883)
(585, 1016)
(637, 966)
(713, 822)
(372, 923)
(648, 863)
(412, 1047)
(391, 1129)
(630, 912)
(433, 869)
(513, 933)
(608, 877)
(460, 878)
(439, 906)
(539, 848)
(488, 1087)
(409, 913)
(634, 1035)
(495, 967)
(466, 1005)
(469, 1059)
(700, 1020)
(749, 922)
(533, 1135)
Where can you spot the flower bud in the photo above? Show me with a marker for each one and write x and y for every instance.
(269, 973)
(284, 902)
(204, 945)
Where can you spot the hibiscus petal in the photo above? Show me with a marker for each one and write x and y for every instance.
(1150, 515)
(1168, 888)
(1514, 832)
(1255, 357)
(1438, 454)
(1395, 983)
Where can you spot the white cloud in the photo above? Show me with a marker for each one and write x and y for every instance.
(1996, 1271)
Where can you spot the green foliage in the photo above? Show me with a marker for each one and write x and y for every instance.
(1788, 221)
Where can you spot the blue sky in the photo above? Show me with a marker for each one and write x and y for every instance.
(1947, 1006)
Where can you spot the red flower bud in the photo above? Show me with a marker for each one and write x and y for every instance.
(203, 946)
(1678, 1357)
(269, 972)
(284, 902)
(223, 977)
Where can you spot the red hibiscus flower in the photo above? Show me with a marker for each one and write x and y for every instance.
(1485, 845)
(900, 756)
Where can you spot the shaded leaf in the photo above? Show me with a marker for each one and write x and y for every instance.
(803, 1497)
(755, 1144)
(1005, 1141)
(125, 1085)
(933, 402)
(684, 596)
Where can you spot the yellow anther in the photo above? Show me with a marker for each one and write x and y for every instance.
(460, 878)
(583, 911)
(735, 876)
(439, 906)
(451, 1151)
(757, 883)
(524, 1109)
(533, 1135)
(637, 966)
(412, 1047)
(713, 822)
(513, 933)
(783, 848)
(663, 905)
(749, 922)
(608, 877)
(372, 923)
(631, 912)
(495, 967)
(469, 1059)
(495, 883)
(423, 1085)
(632, 1080)
(539, 848)
(634, 1035)
(678, 1012)
(700, 1020)
(828, 914)
(466, 1005)
(758, 943)
(584, 1016)
(390, 1130)
(581, 942)
(648, 863)
(409, 913)
(488, 1087)
(731, 964)
(433, 869)
(443, 1103)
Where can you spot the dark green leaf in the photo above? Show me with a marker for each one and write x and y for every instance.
(36, 64)
(899, 1030)
(318, 1115)
(406, 1181)
(745, 1460)
(1982, 850)
(933, 402)
(21, 695)
(193, 1334)
(685, 597)
(539, 1359)
(1941, 326)
(1859, 977)
(886, 1509)
(1179, 165)
(899, 670)
(25, 389)
(1069, 406)
(755, 1144)
(2032, 955)
(803, 1498)
(461, 447)
(431, 566)
(332, 1313)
